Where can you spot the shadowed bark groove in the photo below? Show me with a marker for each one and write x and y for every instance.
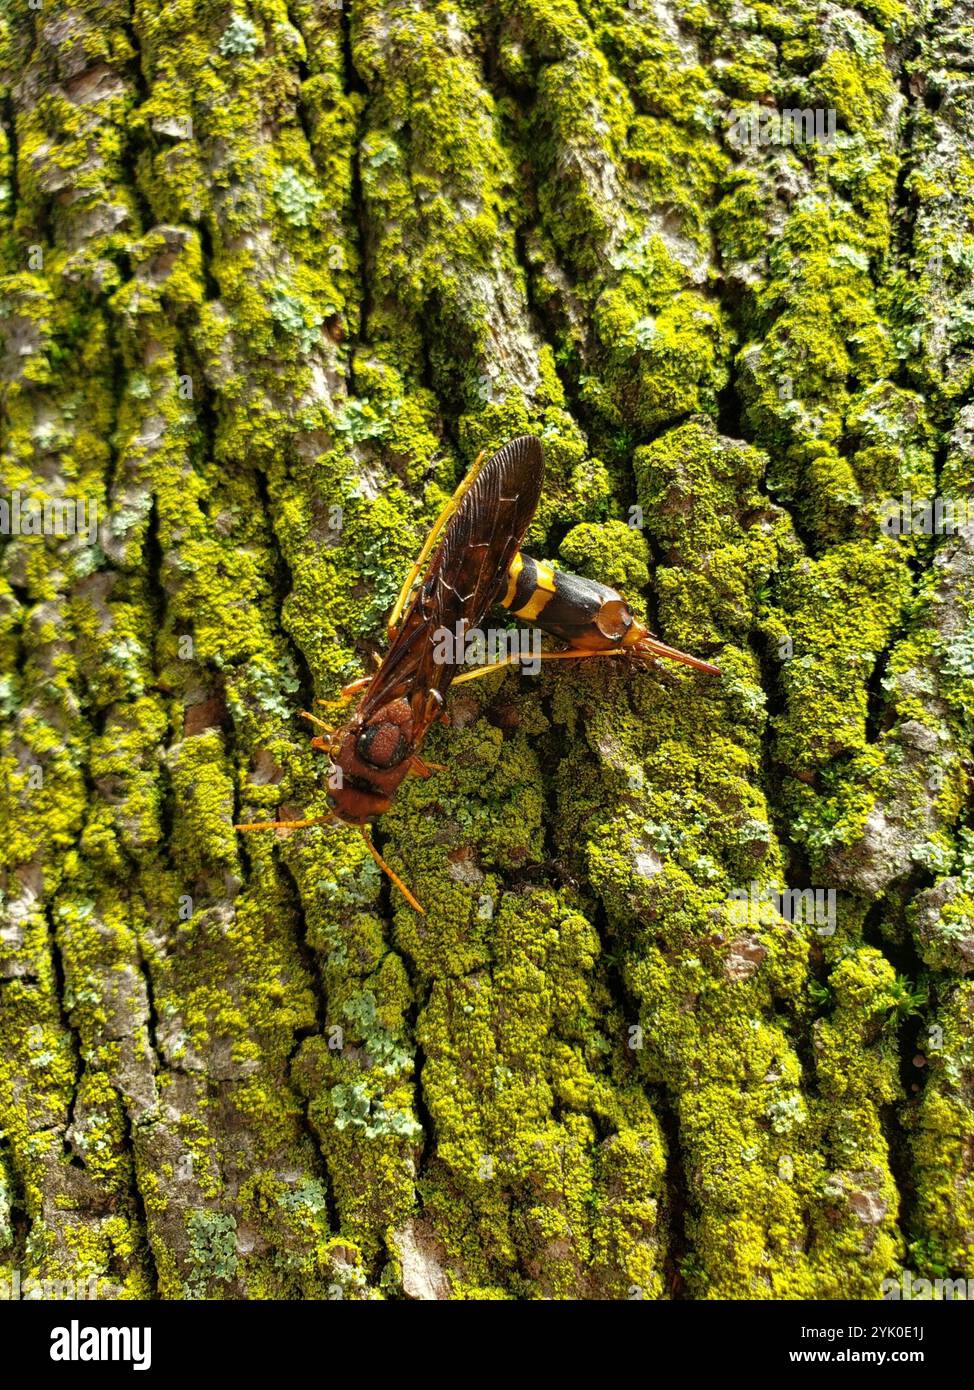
(270, 277)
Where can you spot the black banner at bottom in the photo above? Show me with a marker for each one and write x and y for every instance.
(76, 1339)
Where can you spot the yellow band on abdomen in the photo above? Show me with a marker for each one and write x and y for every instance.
(513, 575)
(543, 592)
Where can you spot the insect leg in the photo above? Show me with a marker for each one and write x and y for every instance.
(486, 670)
(572, 654)
(431, 539)
(285, 824)
(422, 768)
(313, 719)
(353, 688)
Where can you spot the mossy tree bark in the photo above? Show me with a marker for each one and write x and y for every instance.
(272, 275)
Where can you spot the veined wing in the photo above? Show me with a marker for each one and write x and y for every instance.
(466, 575)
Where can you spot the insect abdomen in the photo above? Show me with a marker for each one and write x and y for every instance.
(580, 611)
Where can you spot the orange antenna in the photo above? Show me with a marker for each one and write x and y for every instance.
(336, 820)
(393, 876)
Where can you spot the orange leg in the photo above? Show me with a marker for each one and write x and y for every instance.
(285, 824)
(313, 719)
(406, 592)
(423, 768)
(572, 654)
(325, 743)
(353, 688)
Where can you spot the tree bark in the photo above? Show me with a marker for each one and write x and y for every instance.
(272, 276)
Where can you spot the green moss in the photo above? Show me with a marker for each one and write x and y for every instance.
(212, 1251)
(613, 553)
(273, 321)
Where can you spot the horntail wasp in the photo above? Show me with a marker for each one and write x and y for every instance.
(470, 562)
